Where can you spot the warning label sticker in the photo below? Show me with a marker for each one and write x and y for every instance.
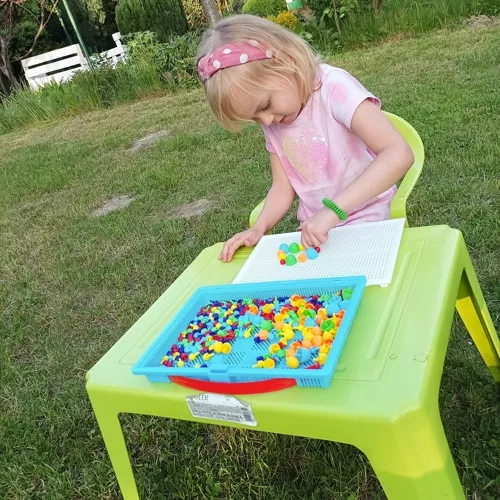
(220, 407)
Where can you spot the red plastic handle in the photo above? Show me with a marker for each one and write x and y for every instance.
(259, 387)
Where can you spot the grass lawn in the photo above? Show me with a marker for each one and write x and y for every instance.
(72, 284)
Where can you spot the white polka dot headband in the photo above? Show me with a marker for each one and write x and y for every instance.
(231, 54)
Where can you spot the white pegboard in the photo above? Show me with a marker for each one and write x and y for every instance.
(359, 250)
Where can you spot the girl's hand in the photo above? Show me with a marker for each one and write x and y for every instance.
(315, 229)
(247, 238)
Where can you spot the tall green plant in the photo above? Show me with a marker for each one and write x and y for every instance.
(334, 11)
(264, 8)
(164, 17)
(194, 13)
(88, 90)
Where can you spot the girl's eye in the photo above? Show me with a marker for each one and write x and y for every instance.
(266, 106)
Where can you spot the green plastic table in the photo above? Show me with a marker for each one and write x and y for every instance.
(383, 398)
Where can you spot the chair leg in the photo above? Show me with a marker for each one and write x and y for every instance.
(412, 459)
(474, 313)
(111, 431)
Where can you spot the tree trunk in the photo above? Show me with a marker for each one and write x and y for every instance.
(4, 91)
(211, 11)
(5, 66)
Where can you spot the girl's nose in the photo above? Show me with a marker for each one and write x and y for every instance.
(266, 119)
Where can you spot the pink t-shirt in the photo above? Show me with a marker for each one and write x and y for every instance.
(320, 153)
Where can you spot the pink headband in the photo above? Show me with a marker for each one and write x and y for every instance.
(231, 54)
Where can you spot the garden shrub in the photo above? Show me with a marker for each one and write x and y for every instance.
(173, 60)
(286, 19)
(164, 17)
(264, 8)
(194, 13)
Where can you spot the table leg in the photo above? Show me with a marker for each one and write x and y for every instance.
(412, 459)
(111, 431)
(474, 313)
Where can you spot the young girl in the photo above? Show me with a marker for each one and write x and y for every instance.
(328, 140)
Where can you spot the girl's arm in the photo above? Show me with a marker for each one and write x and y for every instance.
(279, 199)
(394, 158)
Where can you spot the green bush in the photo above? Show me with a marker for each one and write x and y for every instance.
(237, 6)
(324, 9)
(196, 17)
(173, 60)
(286, 19)
(194, 13)
(165, 17)
(264, 8)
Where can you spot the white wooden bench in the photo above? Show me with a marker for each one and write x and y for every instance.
(55, 66)
(116, 54)
(60, 65)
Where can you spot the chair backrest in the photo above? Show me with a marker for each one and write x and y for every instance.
(398, 204)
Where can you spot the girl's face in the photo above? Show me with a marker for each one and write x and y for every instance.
(277, 101)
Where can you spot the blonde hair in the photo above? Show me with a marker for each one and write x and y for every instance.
(293, 60)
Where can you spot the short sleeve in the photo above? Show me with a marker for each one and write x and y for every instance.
(345, 94)
(267, 135)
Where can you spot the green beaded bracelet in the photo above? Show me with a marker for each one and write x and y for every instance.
(329, 204)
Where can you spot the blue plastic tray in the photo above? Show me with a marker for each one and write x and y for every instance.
(237, 366)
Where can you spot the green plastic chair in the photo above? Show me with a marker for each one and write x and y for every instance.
(398, 204)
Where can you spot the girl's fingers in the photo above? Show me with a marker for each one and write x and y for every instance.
(305, 240)
(313, 239)
(238, 240)
(228, 254)
(223, 253)
(232, 245)
(315, 242)
(322, 238)
(225, 250)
